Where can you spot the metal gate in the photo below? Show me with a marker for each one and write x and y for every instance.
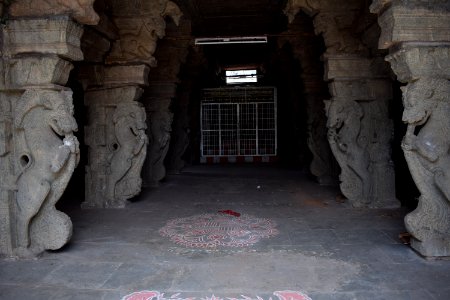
(238, 123)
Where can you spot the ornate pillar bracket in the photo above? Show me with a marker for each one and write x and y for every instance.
(38, 149)
(418, 36)
(117, 121)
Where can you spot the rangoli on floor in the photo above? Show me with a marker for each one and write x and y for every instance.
(154, 295)
(218, 230)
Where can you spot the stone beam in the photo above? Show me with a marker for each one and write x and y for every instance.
(420, 57)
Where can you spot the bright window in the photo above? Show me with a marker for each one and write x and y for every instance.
(240, 76)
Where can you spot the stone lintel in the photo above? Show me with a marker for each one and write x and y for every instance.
(361, 90)
(59, 36)
(114, 76)
(80, 10)
(353, 67)
(41, 72)
(405, 24)
(112, 96)
(410, 63)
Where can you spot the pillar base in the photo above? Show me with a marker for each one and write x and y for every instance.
(436, 247)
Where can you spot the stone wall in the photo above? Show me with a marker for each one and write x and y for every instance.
(418, 36)
(38, 149)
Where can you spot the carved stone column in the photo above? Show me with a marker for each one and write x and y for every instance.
(360, 131)
(359, 103)
(418, 35)
(159, 97)
(305, 50)
(38, 149)
(181, 127)
(160, 124)
(117, 122)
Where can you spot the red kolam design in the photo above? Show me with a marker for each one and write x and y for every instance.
(155, 295)
(209, 231)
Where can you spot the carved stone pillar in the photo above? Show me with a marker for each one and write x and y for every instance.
(117, 122)
(159, 97)
(181, 128)
(359, 103)
(418, 35)
(305, 50)
(117, 146)
(359, 130)
(38, 149)
(158, 104)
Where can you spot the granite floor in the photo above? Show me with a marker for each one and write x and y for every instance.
(324, 249)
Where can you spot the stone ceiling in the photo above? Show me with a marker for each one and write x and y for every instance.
(235, 17)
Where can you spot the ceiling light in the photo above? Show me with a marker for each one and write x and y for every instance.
(231, 40)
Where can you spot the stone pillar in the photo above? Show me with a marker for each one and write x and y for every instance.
(181, 127)
(360, 131)
(38, 149)
(418, 35)
(305, 50)
(158, 102)
(359, 99)
(117, 121)
(159, 97)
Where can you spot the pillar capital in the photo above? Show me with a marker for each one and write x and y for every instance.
(80, 10)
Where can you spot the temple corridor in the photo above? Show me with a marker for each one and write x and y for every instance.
(320, 246)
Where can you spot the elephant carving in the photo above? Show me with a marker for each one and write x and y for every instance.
(128, 153)
(46, 160)
(347, 144)
(427, 149)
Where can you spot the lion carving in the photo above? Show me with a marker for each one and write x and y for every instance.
(128, 153)
(48, 155)
(427, 150)
(344, 129)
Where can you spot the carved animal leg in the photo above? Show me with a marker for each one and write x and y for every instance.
(60, 159)
(32, 191)
(443, 182)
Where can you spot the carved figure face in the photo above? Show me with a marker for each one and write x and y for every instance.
(416, 103)
(134, 116)
(335, 113)
(61, 115)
